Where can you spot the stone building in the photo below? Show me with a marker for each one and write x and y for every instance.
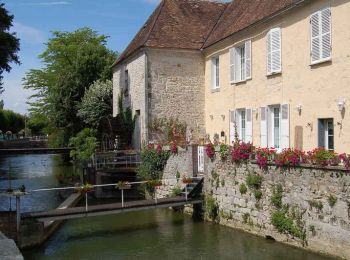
(277, 71)
(161, 72)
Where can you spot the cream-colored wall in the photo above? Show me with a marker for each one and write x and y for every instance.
(317, 88)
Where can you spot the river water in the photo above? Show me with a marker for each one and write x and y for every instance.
(153, 234)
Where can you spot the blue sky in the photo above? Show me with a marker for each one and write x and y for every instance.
(35, 19)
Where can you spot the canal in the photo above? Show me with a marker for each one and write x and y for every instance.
(154, 234)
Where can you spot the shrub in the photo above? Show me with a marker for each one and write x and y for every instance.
(84, 145)
(176, 192)
(210, 150)
(277, 194)
(321, 157)
(211, 208)
(332, 200)
(263, 155)
(285, 224)
(258, 194)
(254, 181)
(289, 157)
(316, 204)
(241, 152)
(224, 152)
(243, 189)
(173, 148)
(153, 160)
(345, 158)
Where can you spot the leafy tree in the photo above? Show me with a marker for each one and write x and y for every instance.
(97, 103)
(37, 123)
(9, 44)
(11, 121)
(1, 104)
(84, 145)
(73, 61)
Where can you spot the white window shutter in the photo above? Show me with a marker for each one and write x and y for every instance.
(285, 126)
(276, 50)
(232, 65)
(232, 126)
(268, 51)
(248, 59)
(263, 127)
(315, 37)
(326, 33)
(249, 125)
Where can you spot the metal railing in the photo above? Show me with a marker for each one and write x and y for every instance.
(18, 194)
(120, 159)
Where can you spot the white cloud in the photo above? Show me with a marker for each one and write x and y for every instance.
(14, 96)
(47, 3)
(28, 34)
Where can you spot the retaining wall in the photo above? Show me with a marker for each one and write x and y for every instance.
(306, 193)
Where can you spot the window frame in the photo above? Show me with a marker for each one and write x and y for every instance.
(215, 71)
(319, 12)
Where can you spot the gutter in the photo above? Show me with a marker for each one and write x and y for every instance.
(268, 18)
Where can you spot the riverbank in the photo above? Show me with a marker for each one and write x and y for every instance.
(9, 249)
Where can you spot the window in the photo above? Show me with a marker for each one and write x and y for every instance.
(240, 62)
(326, 134)
(321, 46)
(241, 120)
(126, 82)
(216, 73)
(274, 64)
(242, 123)
(274, 126)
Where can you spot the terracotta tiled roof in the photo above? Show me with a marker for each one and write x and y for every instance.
(242, 13)
(179, 24)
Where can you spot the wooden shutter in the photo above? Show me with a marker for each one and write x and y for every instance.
(232, 65)
(263, 127)
(284, 126)
(200, 159)
(315, 37)
(249, 125)
(326, 33)
(248, 59)
(232, 126)
(321, 133)
(274, 51)
(321, 42)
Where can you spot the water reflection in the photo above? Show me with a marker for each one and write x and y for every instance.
(33, 171)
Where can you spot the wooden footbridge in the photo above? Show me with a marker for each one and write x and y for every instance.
(189, 195)
(108, 209)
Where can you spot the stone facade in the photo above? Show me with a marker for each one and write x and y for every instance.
(181, 163)
(136, 97)
(176, 85)
(162, 83)
(307, 191)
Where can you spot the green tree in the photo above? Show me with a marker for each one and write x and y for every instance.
(37, 123)
(73, 61)
(9, 44)
(97, 103)
(11, 121)
(84, 145)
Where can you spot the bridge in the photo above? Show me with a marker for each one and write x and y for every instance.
(64, 150)
(42, 224)
(108, 209)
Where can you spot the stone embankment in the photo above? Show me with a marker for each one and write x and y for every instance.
(303, 206)
(8, 249)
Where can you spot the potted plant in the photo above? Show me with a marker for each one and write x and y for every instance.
(123, 185)
(187, 180)
(86, 188)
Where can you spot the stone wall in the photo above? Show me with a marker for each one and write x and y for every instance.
(176, 85)
(181, 163)
(307, 191)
